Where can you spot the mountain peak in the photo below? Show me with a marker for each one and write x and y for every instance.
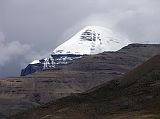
(96, 27)
(92, 40)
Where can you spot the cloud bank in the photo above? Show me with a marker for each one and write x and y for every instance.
(33, 28)
(11, 50)
(137, 20)
(15, 54)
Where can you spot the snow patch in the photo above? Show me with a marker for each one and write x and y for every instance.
(35, 62)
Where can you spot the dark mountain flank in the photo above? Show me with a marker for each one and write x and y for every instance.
(20, 93)
(135, 95)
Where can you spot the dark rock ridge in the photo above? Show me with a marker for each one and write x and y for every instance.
(54, 61)
(31, 68)
(20, 93)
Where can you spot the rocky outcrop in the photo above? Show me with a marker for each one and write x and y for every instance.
(31, 68)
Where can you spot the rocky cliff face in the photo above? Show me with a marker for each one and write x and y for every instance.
(20, 93)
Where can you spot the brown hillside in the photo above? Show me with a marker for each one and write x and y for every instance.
(134, 96)
(21, 93)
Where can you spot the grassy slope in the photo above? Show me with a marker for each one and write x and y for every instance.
(135, 96)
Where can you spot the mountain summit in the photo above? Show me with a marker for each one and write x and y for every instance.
(92, 40)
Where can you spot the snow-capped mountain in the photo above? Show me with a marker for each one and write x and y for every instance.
(90, 40)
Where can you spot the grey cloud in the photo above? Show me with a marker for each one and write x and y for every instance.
(138, 20)
(15, 54)
(10, 50)
(41, 25)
